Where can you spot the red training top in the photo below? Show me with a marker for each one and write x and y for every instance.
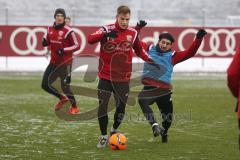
(62, 38)
(115, 59)
(233, 76)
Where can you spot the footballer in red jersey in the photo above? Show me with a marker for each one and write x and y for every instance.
(62, 42)
(117, 41)
(233, 81)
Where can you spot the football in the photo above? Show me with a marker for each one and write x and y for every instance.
(117, 141)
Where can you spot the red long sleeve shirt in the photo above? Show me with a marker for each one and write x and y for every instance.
(115, 59)
(65, 39)
(233, 77)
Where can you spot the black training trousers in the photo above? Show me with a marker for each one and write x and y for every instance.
(150, 95)
(50, 75)
(120, 91)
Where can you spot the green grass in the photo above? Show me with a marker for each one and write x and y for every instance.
(205, 125)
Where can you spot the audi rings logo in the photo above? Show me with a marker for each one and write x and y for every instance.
(215, 41)
(32, 40)
(31, 36)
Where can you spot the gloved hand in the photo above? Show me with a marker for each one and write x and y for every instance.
(201, 33)
(111, 34)
(44, 42)
(60, 51)
(141, 23)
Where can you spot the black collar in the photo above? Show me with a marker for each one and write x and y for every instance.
(59, 26)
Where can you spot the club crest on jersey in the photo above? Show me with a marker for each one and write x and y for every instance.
(129, 38)
(60, 33)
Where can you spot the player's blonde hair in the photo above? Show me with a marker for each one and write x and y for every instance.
(123, 10)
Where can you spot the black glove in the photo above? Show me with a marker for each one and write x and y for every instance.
(44, 42)
(111, 34)
(60, 51)
(141, 23)
(201, 33)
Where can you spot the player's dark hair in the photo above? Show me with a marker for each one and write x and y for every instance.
(166, 36)
(60, 11)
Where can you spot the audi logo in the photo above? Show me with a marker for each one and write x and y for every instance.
(32, 40)
(214, 41)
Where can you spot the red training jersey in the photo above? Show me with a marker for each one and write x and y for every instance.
(233, 77)
(62, 38)
(115, 59)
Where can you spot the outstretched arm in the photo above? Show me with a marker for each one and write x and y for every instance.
(140, 50)
(191, 51)
(101, 34)
(96, 36)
